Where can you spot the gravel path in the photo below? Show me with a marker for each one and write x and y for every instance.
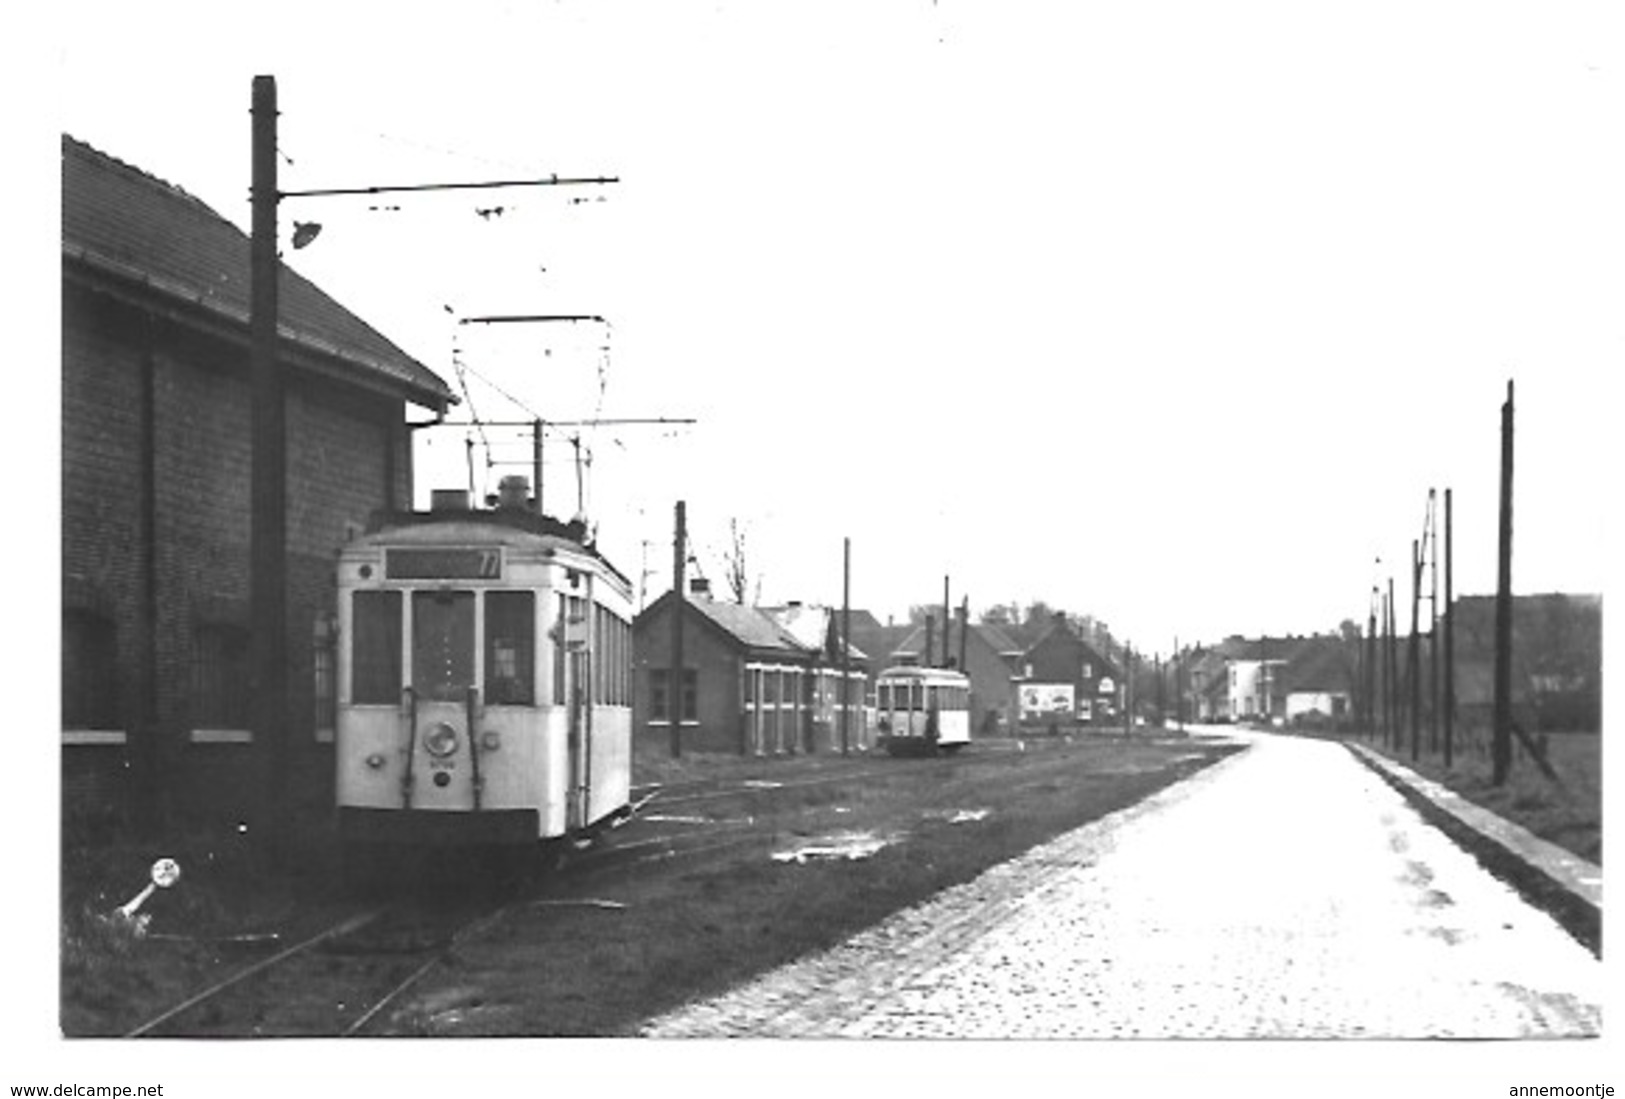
(1284, 892)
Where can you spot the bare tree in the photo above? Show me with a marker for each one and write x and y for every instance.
(738, 566)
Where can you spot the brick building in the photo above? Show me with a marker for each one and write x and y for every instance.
(755, 681)
(155, 486)
(1065, 680)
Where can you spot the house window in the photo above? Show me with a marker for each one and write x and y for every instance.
(89, 671)
(375, 648)
(1088, 670)
(221, 695)
(659, 690)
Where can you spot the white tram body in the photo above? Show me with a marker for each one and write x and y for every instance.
(484, 680)
(922, 709)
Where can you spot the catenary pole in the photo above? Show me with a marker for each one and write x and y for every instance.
(846, 645)
(1449, 638)
(268, 488)
(674, 679)
(1503, 607)
(1413, 663)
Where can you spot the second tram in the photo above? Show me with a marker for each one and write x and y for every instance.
(922, 710)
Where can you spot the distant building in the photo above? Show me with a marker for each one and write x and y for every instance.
(1063, 679)
(155, 488)
(753, 681)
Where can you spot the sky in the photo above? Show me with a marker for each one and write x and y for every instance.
(1166, 313)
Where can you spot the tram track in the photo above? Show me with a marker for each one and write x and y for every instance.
(337, 981)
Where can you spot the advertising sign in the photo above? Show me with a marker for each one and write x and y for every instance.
(1043, 700)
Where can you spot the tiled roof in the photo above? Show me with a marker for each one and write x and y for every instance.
(1319, 665)
(127, 228)
(746, 624)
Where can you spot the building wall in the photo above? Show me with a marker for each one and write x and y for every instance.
(156, 491)
(717, 664)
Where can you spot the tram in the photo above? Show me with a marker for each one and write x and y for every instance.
(922, 710)
(484, 679)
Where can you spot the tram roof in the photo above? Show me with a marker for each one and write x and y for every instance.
(520, 523)
(916, 671)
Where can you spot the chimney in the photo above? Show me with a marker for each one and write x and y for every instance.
(448, 499)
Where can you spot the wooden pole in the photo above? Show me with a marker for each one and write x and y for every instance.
(846, 645)
(1392, 679)
(536, 461)
(1413, 664)
(964, 629)
(674, 689)
(1503, 607)
(1371, 666)
(268, 489)
(1449, 639)
(1433, 623)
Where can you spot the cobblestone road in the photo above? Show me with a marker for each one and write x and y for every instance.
(1284, 892)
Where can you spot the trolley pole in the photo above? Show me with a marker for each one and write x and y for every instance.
(674, 680)
(268, 487)
(1502, 759)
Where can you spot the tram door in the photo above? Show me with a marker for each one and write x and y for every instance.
(578, 703)
(442, 682)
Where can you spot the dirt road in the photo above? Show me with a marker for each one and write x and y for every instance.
(1284, 892)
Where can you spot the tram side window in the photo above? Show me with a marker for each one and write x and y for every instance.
(510, 648)
(375, 648)
(442, 644)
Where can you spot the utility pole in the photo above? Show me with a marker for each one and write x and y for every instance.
(1371, 665)
(1433, 621)
(964, 630)
(1449, 639)
(846, 644)
(268, 486)
(1394, 734)
(945, 623)
(1503, 607)
(1414, 659)
(674, 680)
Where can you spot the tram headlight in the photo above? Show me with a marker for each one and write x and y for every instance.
(376, 761)
(440, 741)
(491, 741)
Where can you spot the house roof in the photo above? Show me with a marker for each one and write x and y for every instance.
(998, 640)
(748, 625)
(809, 625)
(129, 232)
(1321, 665)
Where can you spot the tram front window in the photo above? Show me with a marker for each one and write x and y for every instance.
(510, 648)
(442, 644)
(375, 650)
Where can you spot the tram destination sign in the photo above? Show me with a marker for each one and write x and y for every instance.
(443, 564)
